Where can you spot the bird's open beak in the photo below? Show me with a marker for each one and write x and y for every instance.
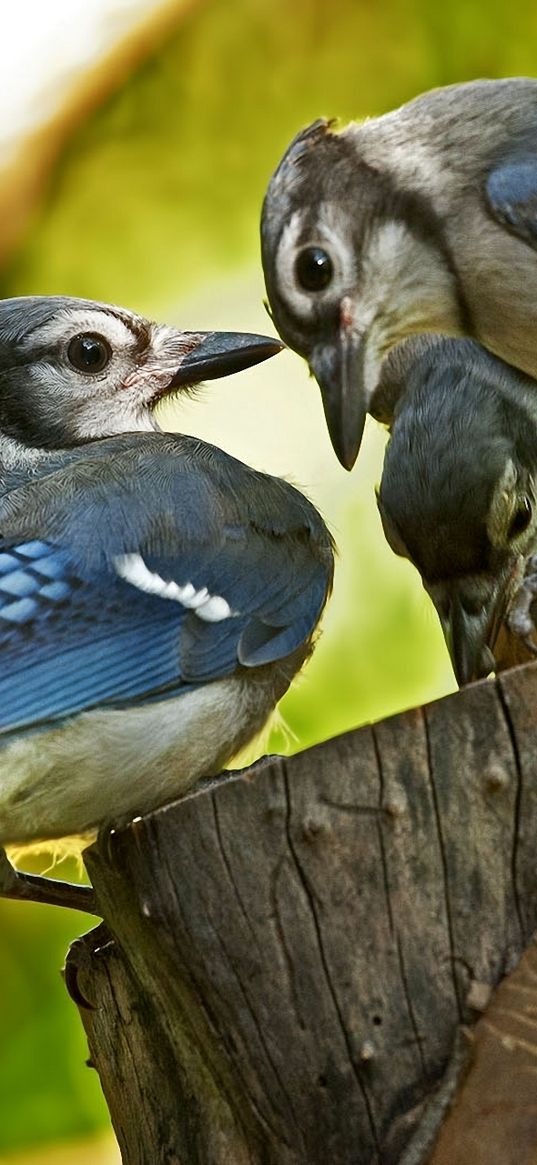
(339, 369)
(221, 353)
(471, 628)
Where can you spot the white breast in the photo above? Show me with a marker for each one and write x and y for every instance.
(108, 766)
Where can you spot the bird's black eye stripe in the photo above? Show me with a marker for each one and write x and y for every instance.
(521, 518)
(314, 269)
(89, 353)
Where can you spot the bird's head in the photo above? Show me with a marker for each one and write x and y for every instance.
(72, 370)
(458, 495)
(354, 262)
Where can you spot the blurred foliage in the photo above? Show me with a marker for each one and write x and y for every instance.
(46, 1091)
(161, 188)
(99, 1149)
(158, 194)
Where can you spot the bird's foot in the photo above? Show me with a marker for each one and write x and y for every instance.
(520, 620)
(52, 891)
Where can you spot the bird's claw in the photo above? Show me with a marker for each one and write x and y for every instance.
(520, 619)
(79, 959)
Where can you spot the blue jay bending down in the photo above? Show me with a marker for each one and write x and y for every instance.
(423, 220)
(458, 495)
(156, 595)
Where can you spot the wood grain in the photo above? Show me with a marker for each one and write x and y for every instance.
(293, 953)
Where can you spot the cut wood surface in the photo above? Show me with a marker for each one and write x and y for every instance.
(289, 956)
(494, 1116)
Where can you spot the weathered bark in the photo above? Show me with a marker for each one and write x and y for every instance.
(295, 950)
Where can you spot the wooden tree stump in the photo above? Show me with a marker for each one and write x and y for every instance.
(288, 957)
(494, 1118)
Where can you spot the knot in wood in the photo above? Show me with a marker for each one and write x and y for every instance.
(396, 805)
(495, 778)
(315, 829)
(478, 995)
(277, 811)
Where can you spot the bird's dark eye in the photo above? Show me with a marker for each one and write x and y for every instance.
(314, 269)
(89, 353)
(521, 518)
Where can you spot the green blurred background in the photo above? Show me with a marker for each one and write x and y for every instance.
(153, 202)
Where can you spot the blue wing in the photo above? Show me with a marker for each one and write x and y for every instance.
(511, 191)
(74, 634)
(69, 642)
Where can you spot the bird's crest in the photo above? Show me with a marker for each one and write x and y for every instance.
(305, 139)
(288, 173)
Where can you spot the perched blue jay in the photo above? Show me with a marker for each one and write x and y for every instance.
(156, 595)
(424, 220)
(458, 495)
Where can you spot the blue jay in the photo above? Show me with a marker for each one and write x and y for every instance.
(458, 494)
(157, 596)
(423, 220)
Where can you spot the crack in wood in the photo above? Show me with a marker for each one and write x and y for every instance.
(273, 894)
(365, 810)
(229, 871)
(207, 1049)
(444, 865)
(411, 1013)
(263, 1043)
(393, 929)
(504, 705)
(310, 898)
(382, 848)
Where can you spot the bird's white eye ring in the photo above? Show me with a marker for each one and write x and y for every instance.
(89, 353)
(314, 269)
(521, 518)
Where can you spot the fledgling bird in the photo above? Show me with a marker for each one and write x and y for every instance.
(423, 220)
(157, 596)
(458, 494)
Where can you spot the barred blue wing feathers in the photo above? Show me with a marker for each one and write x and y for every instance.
(74, 634)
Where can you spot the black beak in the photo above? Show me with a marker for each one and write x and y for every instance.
(339, 372)
(471, 629)
(466, 639)
(221, 353)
